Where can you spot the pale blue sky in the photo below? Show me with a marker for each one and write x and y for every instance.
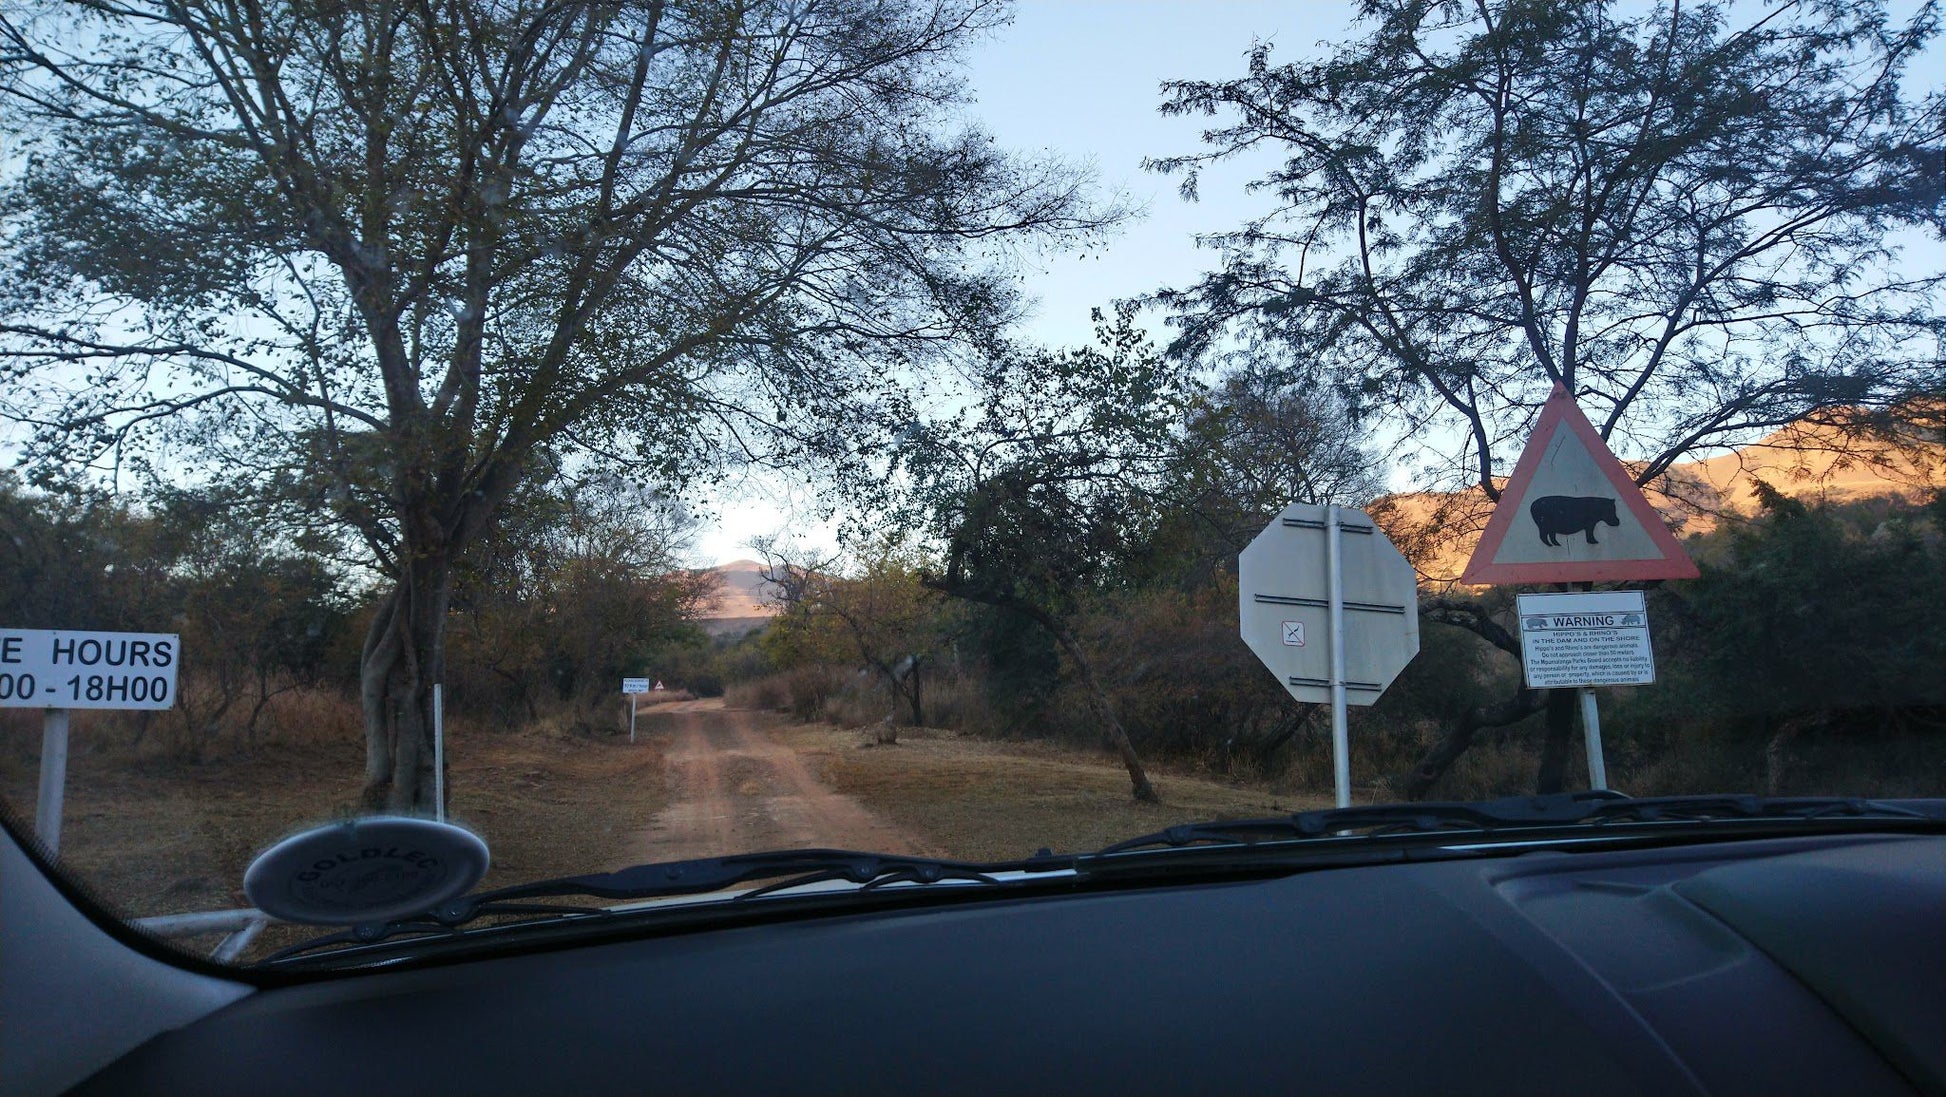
(1081, 79)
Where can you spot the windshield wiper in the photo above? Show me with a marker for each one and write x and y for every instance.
(1576, 809)
(799, 867)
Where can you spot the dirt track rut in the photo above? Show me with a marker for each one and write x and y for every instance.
(735, 789)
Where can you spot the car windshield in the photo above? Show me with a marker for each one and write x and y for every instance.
(585, 436)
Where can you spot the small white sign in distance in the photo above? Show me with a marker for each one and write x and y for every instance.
(1596, 639)
(635, 685)
(1284, 592)
(61, 668)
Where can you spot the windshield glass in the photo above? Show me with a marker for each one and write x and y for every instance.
(659, 431)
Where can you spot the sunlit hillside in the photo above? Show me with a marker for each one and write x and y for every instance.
(743, 599)
(1437, 531)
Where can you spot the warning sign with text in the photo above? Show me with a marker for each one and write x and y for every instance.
(1570, 640)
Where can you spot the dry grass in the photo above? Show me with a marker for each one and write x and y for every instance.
(985, 800)
(152, 835)
(769, 693)
(664, 697)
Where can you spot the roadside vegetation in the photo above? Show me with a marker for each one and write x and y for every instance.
(1805, 659)
(362, 425)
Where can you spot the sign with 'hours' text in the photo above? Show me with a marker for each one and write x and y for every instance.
(62, 669)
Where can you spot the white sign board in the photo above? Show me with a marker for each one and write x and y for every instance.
(1571, 640)
(62, 669)
(635, 685)
(1284, 604)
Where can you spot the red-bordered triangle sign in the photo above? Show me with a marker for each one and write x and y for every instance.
(1571, 514)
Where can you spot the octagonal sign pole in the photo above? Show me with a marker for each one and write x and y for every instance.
(1331, 607)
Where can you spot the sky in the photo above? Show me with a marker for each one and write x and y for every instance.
(1081, 79)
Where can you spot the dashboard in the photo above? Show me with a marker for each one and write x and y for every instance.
(1778, 966)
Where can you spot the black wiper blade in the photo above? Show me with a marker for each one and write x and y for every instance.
(1577, 809)
(1408, 818)
(705, 874)
(1655, 809)
(799, 867)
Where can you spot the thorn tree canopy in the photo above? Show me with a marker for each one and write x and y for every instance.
(384, 252)
(1044, 490)
(1688, 213)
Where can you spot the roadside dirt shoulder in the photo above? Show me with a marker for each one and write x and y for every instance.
(986, 800)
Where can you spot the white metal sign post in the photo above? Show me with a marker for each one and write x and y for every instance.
(1328, 571)
(635, 688)
(1334, 537)
(1580, 641)
(58, 670)
(438, 753)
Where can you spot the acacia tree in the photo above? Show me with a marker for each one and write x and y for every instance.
(887, 617)
(1043, 493)
(1687, 224)
(1264, 434)
(1686, 219)
(380, 254)
(579, 582)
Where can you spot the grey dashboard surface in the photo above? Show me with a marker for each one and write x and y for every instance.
(1451, 977)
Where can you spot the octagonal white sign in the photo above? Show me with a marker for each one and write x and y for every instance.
(1284, 592)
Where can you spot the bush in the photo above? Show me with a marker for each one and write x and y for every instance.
(766, 694)
(803, 691)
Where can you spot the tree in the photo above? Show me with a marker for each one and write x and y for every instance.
(578, 584)
(1820, 610)
(1263, 435)
(1040, 494)
(382, 258)
(1687, 222)
(256, 616)
(257, 613)
(885, 615)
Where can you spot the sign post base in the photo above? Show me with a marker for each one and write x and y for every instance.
(54, 779)
(1591, 739)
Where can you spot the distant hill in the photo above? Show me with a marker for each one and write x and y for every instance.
(743, 599)
(1437, 530)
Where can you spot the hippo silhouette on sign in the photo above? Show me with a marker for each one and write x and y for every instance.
(1556, 515)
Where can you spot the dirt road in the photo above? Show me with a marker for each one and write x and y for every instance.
(735, 789)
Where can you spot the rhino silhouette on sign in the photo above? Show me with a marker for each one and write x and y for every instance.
(1556, 515)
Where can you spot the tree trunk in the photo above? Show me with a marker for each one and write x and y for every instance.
(1777, 754)
(403, 659)
(1105, 711)
(906, 687)
(1455, 742)
(1553, 775)
(264, 696)
(1286, 731)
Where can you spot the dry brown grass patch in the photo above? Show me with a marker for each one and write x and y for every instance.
(150, 836)
(985, 800)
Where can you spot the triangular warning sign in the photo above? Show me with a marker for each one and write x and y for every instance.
(1571, 514)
